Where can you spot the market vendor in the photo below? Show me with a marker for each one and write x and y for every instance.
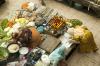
(85, 37)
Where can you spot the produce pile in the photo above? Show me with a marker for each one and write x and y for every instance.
(26, 38)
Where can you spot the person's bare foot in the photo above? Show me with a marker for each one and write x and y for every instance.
(62, 63)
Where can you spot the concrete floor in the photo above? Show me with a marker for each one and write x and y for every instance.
(93, 23)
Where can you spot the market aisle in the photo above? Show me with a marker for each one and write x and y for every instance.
(77, 59)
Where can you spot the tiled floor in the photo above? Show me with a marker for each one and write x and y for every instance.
(93, 23)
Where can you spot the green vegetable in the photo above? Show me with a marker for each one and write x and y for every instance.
(6, 38)
(3, 53)
(4, 23)
(75, 22)
(2, 33)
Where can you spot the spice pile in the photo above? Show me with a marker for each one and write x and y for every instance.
(38, 36)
